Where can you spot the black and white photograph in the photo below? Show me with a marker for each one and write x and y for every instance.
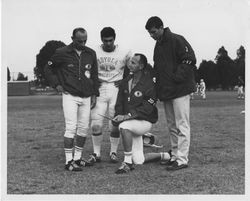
(124, 99)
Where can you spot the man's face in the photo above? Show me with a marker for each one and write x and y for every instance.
(156, 33)
(108, 43)
(134, 64)
(79, 40)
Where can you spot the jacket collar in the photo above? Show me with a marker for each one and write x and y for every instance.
(70, 48)
(166, 35)
(141, 82)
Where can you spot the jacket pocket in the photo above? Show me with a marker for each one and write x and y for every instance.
(86, 86)
(72, 85)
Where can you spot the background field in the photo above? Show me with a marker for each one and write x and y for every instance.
(36, 158)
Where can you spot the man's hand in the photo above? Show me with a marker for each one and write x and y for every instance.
(120, 118)
(93, 101)
(59, 88)
(118, 83)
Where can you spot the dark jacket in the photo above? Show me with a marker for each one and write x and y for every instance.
(174, 63)
(78, 75)
(140, 102)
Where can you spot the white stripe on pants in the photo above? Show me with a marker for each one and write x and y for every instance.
(76, 113)
(177, 113)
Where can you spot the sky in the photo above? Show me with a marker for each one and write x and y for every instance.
(206, 24)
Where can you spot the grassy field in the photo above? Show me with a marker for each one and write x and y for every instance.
(36, 157)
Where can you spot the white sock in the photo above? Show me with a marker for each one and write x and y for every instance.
(165, 156)
(128, 157)
(78, 153)
(114, 141)
(97, 141)
(68, 155)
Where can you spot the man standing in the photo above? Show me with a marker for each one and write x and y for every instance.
(240, 88)
(203, 89)
(174, 60)
(73, 71)
(112, 60)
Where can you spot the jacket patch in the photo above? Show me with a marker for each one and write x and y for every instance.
(151, 101)
(87, 73)
(186, 48)
(50, 63)
(186, 62)
(138, 93)
(88, 66)
(70, 65)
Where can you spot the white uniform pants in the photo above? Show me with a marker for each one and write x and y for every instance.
(177, 113)
(106, 100)
(76, 113)
(139, 128)
(203, 93)
(240, 91)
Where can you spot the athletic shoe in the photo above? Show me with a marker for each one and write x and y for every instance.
(114, 158)
(93, 158)
(167, 162)
(82, 163)
(124, 168)
(176, 166)
(72, 166)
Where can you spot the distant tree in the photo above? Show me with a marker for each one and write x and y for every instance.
(8, 74)
(226, 68)
(240, 62)
(21, 77)
(196, 74)
(42, 58)
(209, 73)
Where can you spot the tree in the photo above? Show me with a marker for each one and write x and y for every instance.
(43, 57)
(226, 68)
(21, 77)
(240, 62)
(209, 72)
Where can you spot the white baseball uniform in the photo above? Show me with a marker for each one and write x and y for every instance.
(110, 69)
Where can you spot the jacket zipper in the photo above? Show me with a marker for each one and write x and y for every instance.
(79, 67)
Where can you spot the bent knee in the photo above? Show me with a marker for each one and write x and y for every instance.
(95, 129)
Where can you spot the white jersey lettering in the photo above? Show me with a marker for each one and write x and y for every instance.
(111, 64)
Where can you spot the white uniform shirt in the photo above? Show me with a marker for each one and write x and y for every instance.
(111, 64)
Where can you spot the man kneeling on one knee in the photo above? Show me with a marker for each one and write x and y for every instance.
(135, 112)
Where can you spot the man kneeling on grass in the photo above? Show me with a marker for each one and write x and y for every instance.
(135, 112)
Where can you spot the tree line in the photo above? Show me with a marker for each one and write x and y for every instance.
(222, 73)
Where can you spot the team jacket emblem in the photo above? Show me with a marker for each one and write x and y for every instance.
(50, 63)
(138, 93)
(88, 66)
(87, 73)
(151, 101)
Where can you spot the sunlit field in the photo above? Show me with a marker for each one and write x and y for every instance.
(35, 155)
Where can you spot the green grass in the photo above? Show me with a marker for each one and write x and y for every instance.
(35, 156)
